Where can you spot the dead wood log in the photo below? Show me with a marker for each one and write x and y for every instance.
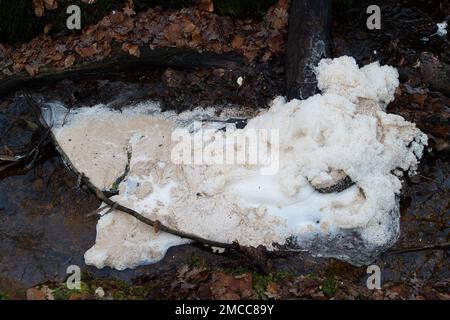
(308, 43)
(119, 62)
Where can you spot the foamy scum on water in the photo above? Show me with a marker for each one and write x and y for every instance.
(343, 132)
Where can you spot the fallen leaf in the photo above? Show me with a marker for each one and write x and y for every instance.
(51, 4)
(237, 42)
(86, 51)
(250, 54)
(132, 49)
(419, 99)
(81, 296)
(246, 285)
(219, 72)
(187, 25)
(172, 32)
(129, 11)
(39, 7)
(206, 5)
(35, 294)
(69, 61)
(230, 296)
(276, 43)
(32, 69)
(48, 28)
(273, 290)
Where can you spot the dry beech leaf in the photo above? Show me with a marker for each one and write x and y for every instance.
(51, 4)
(129, 11)
(173, 32)
(276, 43)
(273, 290)
(55, 57)
(250, 54)
(48, 28)
(39, 7)
(69, 61)
(132, 49)
(206, 5)
(86, 51)
(32, 69)
(187, 25)
(237, 42)
(189, 28)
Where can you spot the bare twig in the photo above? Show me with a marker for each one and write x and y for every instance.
(442, 246)
(27, 155)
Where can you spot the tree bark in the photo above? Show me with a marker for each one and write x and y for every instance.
(308, 43)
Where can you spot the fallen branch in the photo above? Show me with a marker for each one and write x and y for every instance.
(28, 155)
(443, 246)
(119, 62)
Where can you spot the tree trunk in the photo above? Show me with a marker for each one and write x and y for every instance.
(308, 43)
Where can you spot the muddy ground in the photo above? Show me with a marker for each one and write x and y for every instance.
(43, 208)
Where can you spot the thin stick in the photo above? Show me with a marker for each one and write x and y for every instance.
(443, 246)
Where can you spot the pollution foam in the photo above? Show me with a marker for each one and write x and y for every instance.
(343, 133)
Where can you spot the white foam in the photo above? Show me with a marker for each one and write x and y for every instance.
(345, 131)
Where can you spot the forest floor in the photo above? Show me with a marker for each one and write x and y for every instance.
(43, 209)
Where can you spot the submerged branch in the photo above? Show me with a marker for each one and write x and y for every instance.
(442, 246)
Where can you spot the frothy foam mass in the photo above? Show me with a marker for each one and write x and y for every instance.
(342, 134)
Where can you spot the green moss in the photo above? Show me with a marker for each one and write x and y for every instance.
(63, 293)
(196, 261)
(234, 271)
(260, 281)
(119, 295)
(115, 186)
(4, 296)
(119, 284)
(329, 287)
